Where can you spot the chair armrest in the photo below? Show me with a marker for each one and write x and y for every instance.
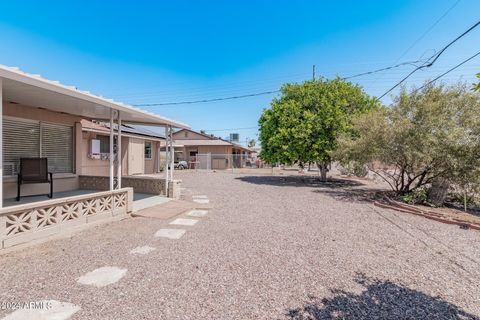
(50, 175)
(19, 177)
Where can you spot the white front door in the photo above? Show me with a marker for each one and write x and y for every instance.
(136, 156)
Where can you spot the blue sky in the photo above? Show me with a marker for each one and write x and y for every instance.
(168, 51)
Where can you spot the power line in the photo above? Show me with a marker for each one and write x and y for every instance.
(383, 69)
(264, 92)
(434, 57)
(429, 29)
(423, 35)
(207, 100)
(414, 91)
(426, 64)
(446, 72)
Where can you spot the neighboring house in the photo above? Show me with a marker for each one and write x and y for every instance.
(140, 149)
(207, 151)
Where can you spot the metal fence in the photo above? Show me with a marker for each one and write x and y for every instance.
(212, 161)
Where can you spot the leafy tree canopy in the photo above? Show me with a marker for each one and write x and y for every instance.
(303, 124)
(427, 134)
(476, 86)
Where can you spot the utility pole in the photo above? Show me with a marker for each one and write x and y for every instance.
(313, 73)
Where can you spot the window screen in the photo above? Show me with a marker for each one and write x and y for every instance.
(21, 139)
(148, 150)
(26, 139)
(57, 147)
(104, 143)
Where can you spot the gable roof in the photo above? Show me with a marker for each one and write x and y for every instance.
(210, 141)
(209, 136)
(202, 142)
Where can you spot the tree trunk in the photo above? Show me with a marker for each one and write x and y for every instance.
(438, 191)
(323, 169)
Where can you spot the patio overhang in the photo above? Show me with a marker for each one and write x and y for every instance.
(22, 223)
(20, 88)
(33, 90)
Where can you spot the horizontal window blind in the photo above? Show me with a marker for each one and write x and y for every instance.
(104, 143)
(57, 146)
(21, 139)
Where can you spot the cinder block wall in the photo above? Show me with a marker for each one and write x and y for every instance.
(139, 184)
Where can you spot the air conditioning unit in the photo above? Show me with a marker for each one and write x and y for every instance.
(94, 149)
(234, 137)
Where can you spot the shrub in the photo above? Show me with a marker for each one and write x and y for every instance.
(417, 196)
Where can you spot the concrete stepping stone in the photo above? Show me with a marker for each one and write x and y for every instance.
(199, 197)
(44, 310)
(184, 222)
(102, 277)
(170, 233)
(201, 200)
(142, 250)
(197, 213)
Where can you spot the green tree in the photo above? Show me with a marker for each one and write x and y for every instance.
(252, 143)
(476, 86)
(427, 137)
(303, 124)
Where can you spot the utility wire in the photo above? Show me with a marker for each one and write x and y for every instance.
(428, 30)
(446, 72)
(423, 35)
(432, 59)
(268, 92)
(207, 100)
(383, 69)
(414, 91)
(426, 64)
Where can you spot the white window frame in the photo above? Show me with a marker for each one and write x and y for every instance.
(150, 157)
(39, 122)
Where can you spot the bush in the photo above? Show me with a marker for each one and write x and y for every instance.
(417, 196)
(354, 169)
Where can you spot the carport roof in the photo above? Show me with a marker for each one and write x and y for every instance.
(33, 90)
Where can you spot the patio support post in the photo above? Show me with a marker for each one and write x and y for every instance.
(166, 160)
(1, 144)
(172, 154)
(111, 149)
(159, 145)
(119, 151)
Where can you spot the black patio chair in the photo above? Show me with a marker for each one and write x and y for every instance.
(34, 170)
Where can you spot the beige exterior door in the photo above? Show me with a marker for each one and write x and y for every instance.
(136, 156)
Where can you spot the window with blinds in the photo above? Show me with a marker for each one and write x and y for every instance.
(104, 143)
(20, 140)
(57, 147)
(27, 139)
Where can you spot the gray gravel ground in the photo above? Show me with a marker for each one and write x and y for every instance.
(270, 248)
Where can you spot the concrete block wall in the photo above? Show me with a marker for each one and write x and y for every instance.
(140, 184)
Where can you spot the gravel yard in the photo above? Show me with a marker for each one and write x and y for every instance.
(270, 247)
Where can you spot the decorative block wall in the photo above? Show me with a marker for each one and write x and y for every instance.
(32, 221)
(141, 184)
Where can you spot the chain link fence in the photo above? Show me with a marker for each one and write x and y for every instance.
(213, 161)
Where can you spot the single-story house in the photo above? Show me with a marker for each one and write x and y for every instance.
(205, 151)
(43, 119)
(140, 149)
